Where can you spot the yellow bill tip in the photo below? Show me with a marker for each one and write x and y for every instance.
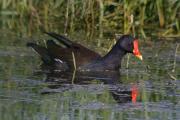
(139, 57)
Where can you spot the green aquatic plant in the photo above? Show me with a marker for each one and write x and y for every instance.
(102, 15)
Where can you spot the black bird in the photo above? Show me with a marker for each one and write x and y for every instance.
(68, 55)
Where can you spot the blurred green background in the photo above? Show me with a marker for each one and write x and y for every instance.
(140, 17)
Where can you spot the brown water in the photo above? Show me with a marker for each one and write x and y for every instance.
(146, 90)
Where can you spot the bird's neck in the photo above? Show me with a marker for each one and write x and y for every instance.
(114, 57)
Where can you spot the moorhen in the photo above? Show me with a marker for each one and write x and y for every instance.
(67, 55)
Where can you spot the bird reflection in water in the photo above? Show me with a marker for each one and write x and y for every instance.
(63, 81)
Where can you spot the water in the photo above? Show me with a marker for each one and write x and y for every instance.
(146, 90)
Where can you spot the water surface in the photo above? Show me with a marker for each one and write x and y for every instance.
(146, 90)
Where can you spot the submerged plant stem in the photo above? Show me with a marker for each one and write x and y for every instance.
(174, 64)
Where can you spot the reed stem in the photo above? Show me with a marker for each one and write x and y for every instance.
(74, 60)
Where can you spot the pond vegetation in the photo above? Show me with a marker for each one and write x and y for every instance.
(102, 15)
